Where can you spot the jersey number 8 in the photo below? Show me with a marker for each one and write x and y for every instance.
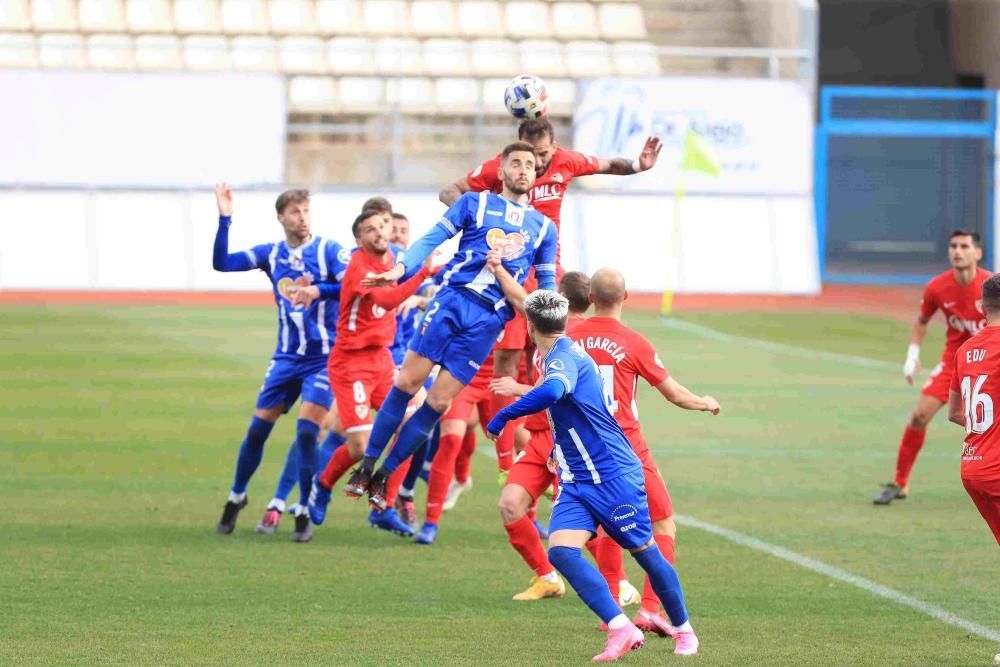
(976, 420)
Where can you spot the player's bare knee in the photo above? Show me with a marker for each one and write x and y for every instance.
(513, 504)
(356, 445)
(920, 419)
(438, 403)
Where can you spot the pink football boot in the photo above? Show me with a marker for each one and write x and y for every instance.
(620, 642)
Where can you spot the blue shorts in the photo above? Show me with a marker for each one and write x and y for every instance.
(618, 505)
(458, 332)
(287, 378)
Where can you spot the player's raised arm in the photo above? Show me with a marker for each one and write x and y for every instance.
(545, 257)
(684, 398)
(622, 166)
(450, 193)
(222, 259)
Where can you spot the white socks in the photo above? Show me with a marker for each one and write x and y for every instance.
(237, 497)
(619, 622)
(552, 577)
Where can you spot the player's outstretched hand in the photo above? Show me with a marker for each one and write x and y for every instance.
(414, 302)
(224, 200)
(304, 296)
(506, 386)
(382, 279)
(492, 436)
(431, 259)
(650, 151)
(711, 405)
(552, 464)
(911, 369)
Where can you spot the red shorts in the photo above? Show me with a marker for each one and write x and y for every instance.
(471, 398)
(657, 496)
(514, 335)
(985, 493)
(939, 383)
(531, 469)
(360, 380)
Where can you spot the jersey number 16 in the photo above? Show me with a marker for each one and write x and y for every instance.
(978, 406)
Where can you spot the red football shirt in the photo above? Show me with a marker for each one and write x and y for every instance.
(622, 356)
(539, 421)
(547, 194)
(960, 304)
(368, 314)
(977, 379)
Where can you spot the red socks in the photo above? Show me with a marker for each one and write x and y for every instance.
(396, 481)
(650, 602)
(505, 443)
(909, 447)
(524, 538)
(608, 555)
(463, 464)
(442, 471)
(339, 463)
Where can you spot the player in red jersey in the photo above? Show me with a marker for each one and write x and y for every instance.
(956, 293)
(975, 389)
(360, 364)
(555, 168)
(623, 356)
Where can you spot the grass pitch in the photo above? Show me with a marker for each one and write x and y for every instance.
(119, 428)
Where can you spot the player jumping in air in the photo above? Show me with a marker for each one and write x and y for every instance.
(956, 293)
(301, 266)
(466, 315)
(555, 168)
(601, 480)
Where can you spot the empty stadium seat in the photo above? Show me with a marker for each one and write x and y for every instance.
(197, 16)
(339, 17)
(494, 57)
(351, 55)
(101, 15)
(492, 96)
(429, 18)
(635, 59)
(202, 53)
(386, 17)
(146, 16)
(542, 57)
(242, 17)
(14, 15)
(446, 57)
(587, 59)
(53, 15)
(361, 93)
(528, 19)
(59, 51)
(291, 17)
(18, 50)
(480, 18)
(562, 95)
(311, 94)
(621, 21)
(398, 55)
(158, 52)
(110, 52)
(303, 55)
(254, 54)
(574, 20)
(457, 95)
(412, 94)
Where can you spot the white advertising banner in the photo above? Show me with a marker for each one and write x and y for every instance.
(180, 130)
(760, 131)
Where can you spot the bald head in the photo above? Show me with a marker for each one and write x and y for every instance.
(607, 288)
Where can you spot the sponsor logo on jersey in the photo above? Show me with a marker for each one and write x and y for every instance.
(557, 365)
(947, 304)
(377, 310)
(287, 285)
(497, 213)
(474, 364)
(625, 513)
(546, 192)
(971, 327)
(969, 453)
(511, 245)
(344, 255)
(557, 177)
(514, 216)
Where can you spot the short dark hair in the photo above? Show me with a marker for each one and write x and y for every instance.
(377, 204)
(976, 241)
(516, 147)
(547, 311)
(365, 214)
(991, 294)
(536, 128)
(575, 286)
(290, 197)
(399, 216)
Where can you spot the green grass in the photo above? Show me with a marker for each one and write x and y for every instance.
(118, 432)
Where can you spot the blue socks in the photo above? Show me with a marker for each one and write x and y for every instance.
(387, 420)
(586, 580)
(666, 585)
(290, 473)
(416, 465)
(306, 435)
(416, 430)
(251, 452)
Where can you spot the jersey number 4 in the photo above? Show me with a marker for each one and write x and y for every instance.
(978, 406)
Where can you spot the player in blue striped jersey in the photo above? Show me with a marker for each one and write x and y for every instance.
(601, 478)
(304, 271)
(465, 317)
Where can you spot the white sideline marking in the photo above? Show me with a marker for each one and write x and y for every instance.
(770, 346)
(819, 567)
(926, 608)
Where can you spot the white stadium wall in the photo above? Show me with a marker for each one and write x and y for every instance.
(143, 240)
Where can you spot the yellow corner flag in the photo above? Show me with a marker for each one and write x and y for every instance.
(697, 157)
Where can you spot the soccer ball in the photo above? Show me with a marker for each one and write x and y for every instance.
(525, 97)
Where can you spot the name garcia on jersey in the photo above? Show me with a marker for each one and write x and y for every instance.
(613, 349)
